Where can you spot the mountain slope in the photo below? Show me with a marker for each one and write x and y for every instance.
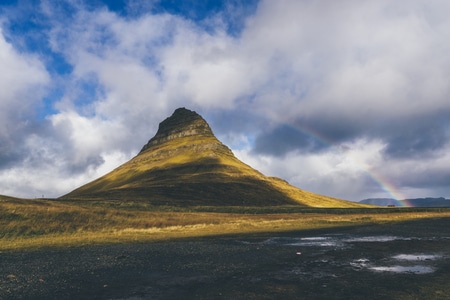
(185, 164)
(8, 198)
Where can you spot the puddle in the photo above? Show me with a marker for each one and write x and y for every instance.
(404, 269)
(306, 241)
(417, 257)
(315, 238)
(364, 263)
(377, 239)
(339, 240)
(361, 263)
(414, 263)
(331, 240)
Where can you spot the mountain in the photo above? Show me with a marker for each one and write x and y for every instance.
(185, 164)
(415, 202)
(8, 198)
(381, 201)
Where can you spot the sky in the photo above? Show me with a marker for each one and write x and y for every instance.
(349, 99)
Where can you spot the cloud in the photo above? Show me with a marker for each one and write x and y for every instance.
(23, 80)
(295, 87)
(349, 61)
(284, 139)
(419, 137)
(344, 172)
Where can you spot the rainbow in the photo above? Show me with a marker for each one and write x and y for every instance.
(379, 179)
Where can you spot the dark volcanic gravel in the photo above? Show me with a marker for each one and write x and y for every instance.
(321, 264)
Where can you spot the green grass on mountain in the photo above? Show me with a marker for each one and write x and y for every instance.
(188, 171)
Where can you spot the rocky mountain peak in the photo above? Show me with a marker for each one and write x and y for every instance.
(182, 123)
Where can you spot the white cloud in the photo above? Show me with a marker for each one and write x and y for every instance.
(344, 171)
(22, 79)
(352, 59)
(50, 178)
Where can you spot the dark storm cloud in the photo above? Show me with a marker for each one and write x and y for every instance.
(307, 136)
(405, 136)
(336, 129)
(417, 137)
(16, 146)
(426, 179)
(283, 139)
(9, 155)
(236, 121)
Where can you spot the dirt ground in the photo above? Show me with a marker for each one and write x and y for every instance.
(408, 260)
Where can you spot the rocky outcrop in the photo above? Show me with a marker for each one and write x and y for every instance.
(182, 123)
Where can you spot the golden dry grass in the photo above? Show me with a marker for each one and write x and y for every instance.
(34, 224)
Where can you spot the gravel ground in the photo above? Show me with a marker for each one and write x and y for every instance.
(321, 264)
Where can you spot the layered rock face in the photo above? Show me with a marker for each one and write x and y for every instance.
(184, 164)
(182, 123)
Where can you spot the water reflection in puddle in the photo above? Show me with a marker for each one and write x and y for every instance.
(415, 257)
(364, 263)
(360, 263)
(378, 239)
(404, 269)
(331, 240)
(307, 241)
(405, 263)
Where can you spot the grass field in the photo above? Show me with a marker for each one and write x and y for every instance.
(42, 223)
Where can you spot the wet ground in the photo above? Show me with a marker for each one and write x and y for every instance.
(409, 260)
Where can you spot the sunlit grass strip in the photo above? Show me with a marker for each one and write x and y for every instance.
(208, 224)
(128, 235)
